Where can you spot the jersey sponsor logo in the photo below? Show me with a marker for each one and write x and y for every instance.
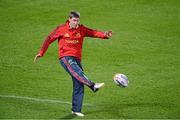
(72, 41)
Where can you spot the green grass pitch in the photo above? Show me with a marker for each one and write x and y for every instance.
(145, 46)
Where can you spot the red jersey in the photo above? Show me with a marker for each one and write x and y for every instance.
(70, 40)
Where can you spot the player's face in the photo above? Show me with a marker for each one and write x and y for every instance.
(74, 22)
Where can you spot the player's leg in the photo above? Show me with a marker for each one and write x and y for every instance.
(73, 67)
(78, 92)
(77, 96)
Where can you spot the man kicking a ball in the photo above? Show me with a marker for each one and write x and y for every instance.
(70, 38)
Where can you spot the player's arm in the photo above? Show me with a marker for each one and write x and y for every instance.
(49, 39)
(96, 33)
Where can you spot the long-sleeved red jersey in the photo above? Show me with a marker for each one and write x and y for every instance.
(70, 40)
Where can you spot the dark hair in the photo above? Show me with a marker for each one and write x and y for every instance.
(75, 14)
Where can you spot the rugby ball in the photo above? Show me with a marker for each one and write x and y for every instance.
(121, 80)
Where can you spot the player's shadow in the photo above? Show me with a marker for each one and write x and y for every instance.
(69, 116)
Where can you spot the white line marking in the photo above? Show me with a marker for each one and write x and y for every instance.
(39, 100)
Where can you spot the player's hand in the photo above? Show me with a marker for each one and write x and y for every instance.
(108, 33)
(37, 57)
